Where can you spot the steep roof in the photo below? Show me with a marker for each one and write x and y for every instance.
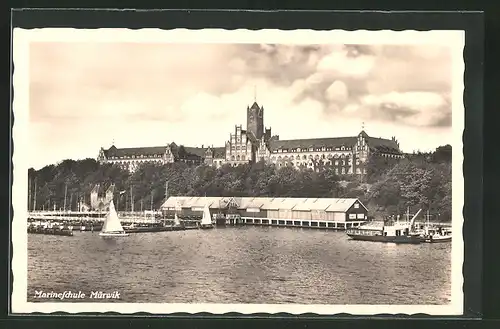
(113, 151)
(312, 142)
(381, 144)
(266, 203)
(384, 145)
(129, 151)
(255, 106)
(219, 152)
(199, 151)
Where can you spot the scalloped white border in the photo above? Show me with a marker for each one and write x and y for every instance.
(21, 42)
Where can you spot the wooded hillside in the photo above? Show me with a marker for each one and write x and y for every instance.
(421, 180)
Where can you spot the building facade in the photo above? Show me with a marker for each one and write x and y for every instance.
(347, 155)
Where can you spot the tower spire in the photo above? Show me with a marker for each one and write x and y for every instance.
(363, 125)
(255, 93)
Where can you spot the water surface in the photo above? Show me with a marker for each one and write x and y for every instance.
(241, 265)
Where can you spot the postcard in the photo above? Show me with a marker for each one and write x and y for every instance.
(218, 171)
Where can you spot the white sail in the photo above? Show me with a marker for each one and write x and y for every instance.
(206, 219)
(112, 222)
(176, 220)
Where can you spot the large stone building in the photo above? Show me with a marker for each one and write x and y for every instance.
(255, 143)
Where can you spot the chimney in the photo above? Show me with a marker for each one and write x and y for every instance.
(202, 145)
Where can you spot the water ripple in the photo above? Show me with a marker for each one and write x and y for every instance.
(241, 265)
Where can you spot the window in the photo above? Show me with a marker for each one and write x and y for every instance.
(356, 205)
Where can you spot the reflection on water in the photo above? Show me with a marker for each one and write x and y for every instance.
(241, 265)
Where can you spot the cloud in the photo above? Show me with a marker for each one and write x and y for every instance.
(306, 90)
(411, 108)
(337, 92)
(345, 64)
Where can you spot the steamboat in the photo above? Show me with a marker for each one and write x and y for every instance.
(389, 232)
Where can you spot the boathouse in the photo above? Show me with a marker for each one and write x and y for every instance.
(300, 212)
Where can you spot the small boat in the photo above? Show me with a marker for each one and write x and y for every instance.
(112, 226)
(436, 235)
(398, 232)
(206, 220)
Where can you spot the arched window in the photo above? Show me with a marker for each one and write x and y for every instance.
(232, 157)
(323, 156)
(304, 157)
(237, 158)
(297, 157)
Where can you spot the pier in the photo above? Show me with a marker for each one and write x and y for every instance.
(93, 221)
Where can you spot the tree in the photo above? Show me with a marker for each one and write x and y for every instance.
(417, 181)
(442, 154)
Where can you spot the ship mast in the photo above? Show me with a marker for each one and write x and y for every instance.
(131, 200)
(34, 197)
(65, 194)
(29, 194)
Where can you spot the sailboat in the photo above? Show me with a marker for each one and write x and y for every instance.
(206, 220)
(112, 226)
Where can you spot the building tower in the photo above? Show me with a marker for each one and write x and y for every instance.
(255, 121)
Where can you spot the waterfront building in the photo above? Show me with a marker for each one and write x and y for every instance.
(314, 212)
(347, 155)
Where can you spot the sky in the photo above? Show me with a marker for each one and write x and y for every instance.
(87, 95)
